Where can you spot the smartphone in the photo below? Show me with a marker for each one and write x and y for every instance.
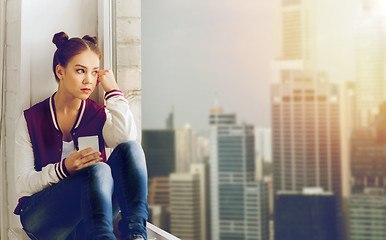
(89, 141)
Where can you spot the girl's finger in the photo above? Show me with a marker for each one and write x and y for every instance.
(84, 152)
(89, 163)
(90, 157)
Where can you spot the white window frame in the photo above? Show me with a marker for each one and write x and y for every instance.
(4, 221)
(105, 37)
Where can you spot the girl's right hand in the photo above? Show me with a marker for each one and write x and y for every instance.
(107, 79)
(79, 160)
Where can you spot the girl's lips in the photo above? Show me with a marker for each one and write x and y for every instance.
(86, 90)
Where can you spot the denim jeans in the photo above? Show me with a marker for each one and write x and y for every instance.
(92, 197)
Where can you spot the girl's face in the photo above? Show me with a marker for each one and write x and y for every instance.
(79, 77)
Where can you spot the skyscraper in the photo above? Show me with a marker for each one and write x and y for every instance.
(170, 121)
(263, 150)
(368, 215)
(305, 216)
(159, 148)
(306, 134)
(159, 191)
(370, 58)
(297, 31)
(263, 143)
(185, 206)
(306, 109)
(186, 148)
(367, 204)
(201, 169)
(239, 205)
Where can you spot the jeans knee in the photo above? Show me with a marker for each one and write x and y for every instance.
(100, 170)
(132, 152)
(129, 146)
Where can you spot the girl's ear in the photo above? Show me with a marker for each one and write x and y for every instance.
(59, 71)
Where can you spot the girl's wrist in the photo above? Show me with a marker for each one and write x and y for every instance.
(111, 89)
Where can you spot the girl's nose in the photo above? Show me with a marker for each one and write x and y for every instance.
(88, 79)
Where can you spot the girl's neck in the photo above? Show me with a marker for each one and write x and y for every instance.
(66, 103)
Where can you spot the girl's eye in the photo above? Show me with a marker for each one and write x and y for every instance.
(95, 73)
(80, 71)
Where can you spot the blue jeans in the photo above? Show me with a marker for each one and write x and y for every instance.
(92, 198)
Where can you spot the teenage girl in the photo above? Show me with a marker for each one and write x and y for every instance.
(67, 192)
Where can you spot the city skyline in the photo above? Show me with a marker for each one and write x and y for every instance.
(312, 78)
(198, 50)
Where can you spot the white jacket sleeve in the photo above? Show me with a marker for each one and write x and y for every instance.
(120, 125)
(29, 181)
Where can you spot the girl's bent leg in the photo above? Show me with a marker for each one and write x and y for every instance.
(96, 201)
(54, 212)
(130, 182)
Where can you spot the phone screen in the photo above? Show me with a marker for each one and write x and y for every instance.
(90, 141)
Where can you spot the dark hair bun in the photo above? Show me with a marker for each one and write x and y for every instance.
(90, 39)
(59, 39)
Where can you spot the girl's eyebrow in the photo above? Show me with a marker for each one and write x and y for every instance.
(79, 65)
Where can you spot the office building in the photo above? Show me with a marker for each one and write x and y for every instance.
(186, 148)
(234, 191)
(159, 148)
(159, 191)
(201, 169)
(263, 151)
(306, 135)
(368, 155)
(159, 216)
(185, 206)
(297, 30)
(263, 143)
(302, 215)
(370, 58)
(367, 216)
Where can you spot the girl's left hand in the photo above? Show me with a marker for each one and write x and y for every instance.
(107, 79)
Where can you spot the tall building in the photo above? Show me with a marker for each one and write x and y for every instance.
(305, 132)
(170, 121)
(367, 204)
(263, 143)
(239, 205)
(159, 148)
(305, 106)
(256, 213)
(368, 160)
(186, 148)
(370, 58)
(203, 149)
(309, 134)
(368, 156)
(297, 31)
(263, 149)
(159, 216)
(306, 135)
(302, 215)
(159, 202)
(201, 169)
(159, 191)
(367, 216)
(185, 206)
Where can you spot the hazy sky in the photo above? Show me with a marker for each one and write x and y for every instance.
(193, 49)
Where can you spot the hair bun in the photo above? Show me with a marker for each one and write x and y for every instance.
(90, 39)
(59, 39)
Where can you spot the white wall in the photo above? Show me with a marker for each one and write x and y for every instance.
(40, 21)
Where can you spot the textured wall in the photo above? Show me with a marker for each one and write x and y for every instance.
(128, 30)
